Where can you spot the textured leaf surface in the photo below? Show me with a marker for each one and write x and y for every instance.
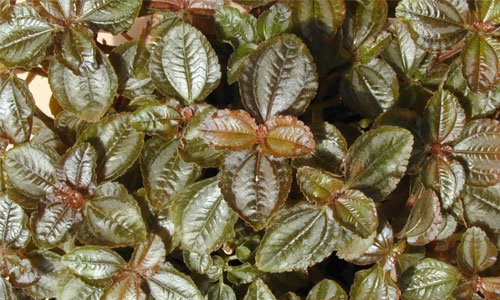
(327, 289)
(274, 21)
(114, 16)
(476, 253)
(13, 230)
(234, 27)
(356, 212)
(254, 185)
(300, 237)
(482, 206)
(374, 283)
(220, 291)
(54, 223)
(148, 254)
(488, 11)
(278, 78)
(161, 119)
(317, 185)
(380, 248)
(377, 160)
(127, 286)
(78, 167)
(203, 218)
(480, 64)
(258, 290)
(93, 262)
(168, 283)
(19, 270)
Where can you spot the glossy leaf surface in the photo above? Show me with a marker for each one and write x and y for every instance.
(317, 185)
(114, 16)
(374, 283)
(476, 253)
(480, 63)
(93, 262)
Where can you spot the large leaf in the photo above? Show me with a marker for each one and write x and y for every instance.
(114, 16)
(317, 185)
(258, 290)
(300, 237)
(373, 284)
(327, 289)
(23, 37)
(78, 167)
(126, 286)
(93, 263)
(168, 283)
(377, 161)
(356, 212)
(220, 291)
(164, 172)
(13, 230)
(479, 146)
(476, 253)
(16, 109)
(184, 64)
(203, 218)
(255, 185)
(444, 119)
(234, 27)
(113, 215)
(429, 279)
(274, 21)
(117, 143)
(436, 24)
(87, 94)
(279, 77)
(52, 225)
(161, 119)
(370, 89)
(480, 64)
(77, 50)
(31, 169)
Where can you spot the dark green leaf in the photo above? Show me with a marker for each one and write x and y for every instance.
(480, 63)
(220, 291)
(448, 228)
(373, 284)
(78, 50)
(13, 230)
(327, 289)
(274, 21)
(70, 287)
(52, 225)
(78, 167)
(317, 185)
(258, 290)
(475, 253)
(356, 212)
(161, 119)
(114, 16)
(60, 9)
(234, 27)
(243, 274)
(373, 46)
(148, 255)
(49, 266)
(93, 263)
(168, 283)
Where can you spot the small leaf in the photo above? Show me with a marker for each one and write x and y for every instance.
(112, 215)
(59, 9)
(237, 61)
(13, 230)
(16, 109)
(114, 16)
(479, 146)
(436, 24)
(199, 263)
(254, 185)
(202, 217)
(162, 119)
(356, 212)
(279, 77)
(243, 274)
(52, 225)
(377, 161)
(274, 21)
(429, 279)
(148, 255)
(370, 89)
(19, 270)
(229, 129)
(327, 289)
(258, 290)
(168, 283)
(117, 143)
(184, 64)
(380, 248)
(234, 27)
(480, 63)
(372, 284)
(373, 46)
(475, 253)
(487, 10)
(220, 291)
(300, 237)
(490, 287)
(317, 185)
(94, 263)
(78, 167)
(70, 287)
(126, 286)
(287, 137)
(448, 228)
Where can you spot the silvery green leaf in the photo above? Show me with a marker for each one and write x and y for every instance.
(93, 262)
(168, 283)
(114, 16)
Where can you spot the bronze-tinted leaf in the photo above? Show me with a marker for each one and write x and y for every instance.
(475, 253)
(317, 185)
(480, 63)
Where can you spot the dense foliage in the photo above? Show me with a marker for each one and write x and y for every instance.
(251, 149)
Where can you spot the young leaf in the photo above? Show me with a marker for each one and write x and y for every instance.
(220, 291)
(274, 21)
(480, 63)
(373, 46)
(114, 16)
(475, 253)
(162, 119)
(317, 185)
(436, 24)
(234, 27)
(380, 248)
(258, 290)
(202, 217)
(93, 263)
(377, 161)
(13, 230)
(229, 129)
(279, 77)
(16, 109)
(117, 143)
(429, 279)
(327, 289)
(126, 286)
(184, 64)
(52, 225)
(112, 215)
(148, 255)
(78, 167)
(254, 185)
(370, 89)
(168, 283)
(287, 137)
(300, 237)
(356, 212)
(372, 284)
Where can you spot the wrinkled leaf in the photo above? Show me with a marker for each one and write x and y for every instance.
(220, 291)
(93, 262)
(52, 225)
(234, 27)
(380, 248)
(480, 64)
(476, 253)
(482, 206)
(78, 167)
(168, 283)
(148, 255)
(374, 283)
(317, 185)
(274, 21)
(160, 119)
(258, 290)
(114, 16)
(13, 230)
(356, 212)
(126, 286)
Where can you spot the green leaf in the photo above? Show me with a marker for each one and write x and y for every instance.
(94, 263)
(370, 89)
(161, 119)
(49, 266)
(183, 64)
(425, 220)
(237, 61)
(23, 37)
(220, 291)
(59, 9)
(479, 146)
(203, 218)
(168, 283)
(482, 206)
(52, 225)
(444, 118)
(279, 77)
(300, 237)
(127, 286)
(353, 246)
(117, 143)
(19, 270)
(199, 263)
(475, 253)
(258, 290)
(377, 161)
(13, 230)
(16, 109)
(356, 212)
(373, 46)
(114, 16)
(234, 27)
(480, 63)
(449, 226)
(164, 173)
(6, 291)
(380, 248)
(254, 185)
(78, 167)
(317, 185)
(274, 21)
(327, 289)
(429, 279)
(113, 215)
(148, 255)
(242, 274)
(374, 283)
(31, 169)
(77, 50)
(488, 10)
